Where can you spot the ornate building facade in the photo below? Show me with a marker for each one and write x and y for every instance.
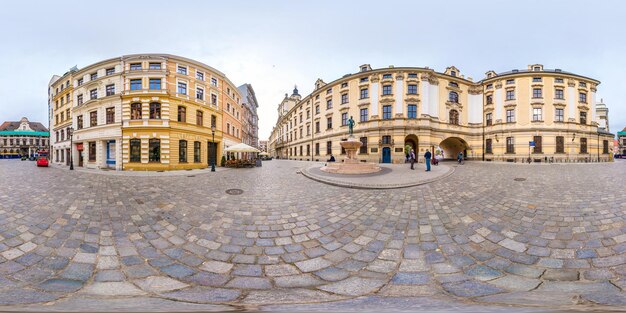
(494, 119)
(146, 112)
(250, 125)
(22, 138)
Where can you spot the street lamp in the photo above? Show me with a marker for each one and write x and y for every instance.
(71, 131)
(214, 148)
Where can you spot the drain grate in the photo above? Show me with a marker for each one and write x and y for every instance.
(234, 192)
(519, 179)
(191, 175)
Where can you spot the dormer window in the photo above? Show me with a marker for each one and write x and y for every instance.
(489, 75)
(537, 68)
(452, 73)
(536, 79)
(387, 76)
(363, 68)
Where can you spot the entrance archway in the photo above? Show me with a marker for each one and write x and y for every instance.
(452, 146)
(411, 140)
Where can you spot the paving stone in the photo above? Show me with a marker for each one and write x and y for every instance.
(61, 285)
(160, 284)
(281, 270)
(112, 289)
(516, 283)
(313, 264)
(290, 295)
(293, 281)
(109, 275)
(483, 273)
(560, 275)
(404, 278)
(471, 288)
(332, 274)
(78, 271)
(354, 286)
(177, 270)
(249, 283)
(577, 287)
(25, 296)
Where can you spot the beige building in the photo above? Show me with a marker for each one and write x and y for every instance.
(494, 119)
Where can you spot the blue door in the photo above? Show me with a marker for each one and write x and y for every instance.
(111, 153)
(386, 155)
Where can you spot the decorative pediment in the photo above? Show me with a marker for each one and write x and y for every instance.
(475, 90)
(412, 98)
(454, 106)
(387, 99)
(559, 104)
(319, 83)
(571, 83)
(374, 78)
(510, 105)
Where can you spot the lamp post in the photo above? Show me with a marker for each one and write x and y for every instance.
(71, 130)
(214, 148)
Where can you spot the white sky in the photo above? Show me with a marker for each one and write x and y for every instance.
(276, 44)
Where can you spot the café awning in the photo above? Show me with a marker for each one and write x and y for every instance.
(241, 147)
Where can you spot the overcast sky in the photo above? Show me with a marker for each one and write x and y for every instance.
(276, 44)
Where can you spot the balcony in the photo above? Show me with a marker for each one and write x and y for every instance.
(145, 91)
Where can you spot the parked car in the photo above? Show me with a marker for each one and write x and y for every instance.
(42, 162)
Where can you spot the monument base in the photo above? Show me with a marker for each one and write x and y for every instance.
(351, 164)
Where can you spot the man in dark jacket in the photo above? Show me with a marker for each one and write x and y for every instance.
(412, 157)
(427, 156)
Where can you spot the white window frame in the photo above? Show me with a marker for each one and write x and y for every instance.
(178, 66)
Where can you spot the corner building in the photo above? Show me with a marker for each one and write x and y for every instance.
(494, 119)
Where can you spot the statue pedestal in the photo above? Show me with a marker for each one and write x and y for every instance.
(351, 164)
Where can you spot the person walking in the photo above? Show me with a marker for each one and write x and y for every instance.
(427, 156)
(412, 158)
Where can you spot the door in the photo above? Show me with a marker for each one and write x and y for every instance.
(111, 153)
(80, 158)
(386, 155)
(67, 157)
(211, 153)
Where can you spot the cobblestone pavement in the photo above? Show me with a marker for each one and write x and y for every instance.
(556, 239)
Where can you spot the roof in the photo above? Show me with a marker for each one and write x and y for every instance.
(24, 133)
(36, 126)
(622, 133)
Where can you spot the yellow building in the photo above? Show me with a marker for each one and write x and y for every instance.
(494, 119)
(147, 112)
(60, 100)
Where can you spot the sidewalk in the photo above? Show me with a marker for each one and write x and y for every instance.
(112, 172)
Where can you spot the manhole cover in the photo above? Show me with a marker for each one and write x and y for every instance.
(519, 179)
(234, 192)
(191, 175)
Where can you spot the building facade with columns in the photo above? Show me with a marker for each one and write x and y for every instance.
(146, 112)
(494, 119)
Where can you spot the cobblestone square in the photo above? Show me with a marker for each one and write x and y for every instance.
(477, 238)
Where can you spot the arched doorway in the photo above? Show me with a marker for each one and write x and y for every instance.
(413, 142)
(452, 146)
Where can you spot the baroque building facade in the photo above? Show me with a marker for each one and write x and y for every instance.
(494, 119)
(22, 138)
(145, 112)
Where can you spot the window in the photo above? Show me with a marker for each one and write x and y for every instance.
(317, 148)
(558, 115)
(182, 70)
(558, 80)
(199, 75)
(363, 148)
(488, 147)
(364, 80)
(93, 94)
(489, 119)
(582, 84)
(93, 76)
(510, 145)
(93, 118)
(199, 93)
(110, 115)
(317, 127)
(536, 79)
(510, 116)
(135, 111)
(154, 150)
(329, 123)
(80, 82)
(364, 114)
(537, 114)
(62, 116)
(510, 94)
(510, 81)
(454, 117)
(214, 82)
(453, 97)
(213, 99)
(196, 151)
(182, 114)
(199, 116)
(386, 112)
(308, 114)
(110, 71)
(344, 85)
(300, 150)
(308, 150)
(155, 84)
(329, 147)
(155, 110)
(560, 146)
(182, 88)
(344, 119)
(490, 99)
(135, 150)
(155, 66)
(412, 111)
(583, 145)
(412, 89)
(110, 90)
(412, 75)
(453, 84)
(605, 147)
(387, 76)
(364, 93)
(135, 66)
(537, 148)
(344, 98)
(135, 84)
(329, 104)
(329, 90)
(452, 73)
(182, 151)
(213, 121)
(386, 89)
(582, 97)
(386, 140)
(92, 151)
(300, 117)
(317, 109)
(537, 93)
(558, 93)
(79, 99)
(79, 122)
(583, 117)
(489, 86)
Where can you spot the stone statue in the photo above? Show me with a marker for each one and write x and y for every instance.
(351, 124)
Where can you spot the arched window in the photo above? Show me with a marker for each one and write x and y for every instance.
(135, 111)
(182, 114)
(154, 152)
(453, 97)
(182, 151)
(454, 117)
(135, 150)
(155, 110)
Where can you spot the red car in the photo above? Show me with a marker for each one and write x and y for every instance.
(42, 162)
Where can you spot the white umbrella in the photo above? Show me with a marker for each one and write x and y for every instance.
(241, 147)
(264, 153)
